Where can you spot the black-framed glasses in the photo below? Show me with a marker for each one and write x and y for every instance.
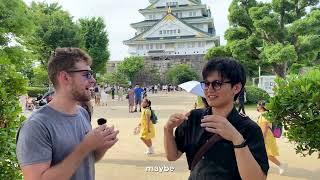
(87, 75)
(216, 85)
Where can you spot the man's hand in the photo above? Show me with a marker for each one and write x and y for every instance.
(220, 125)
(102, 137)
(111, 139)
(175, 120)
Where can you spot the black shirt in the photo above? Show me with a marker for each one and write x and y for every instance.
(219, 162)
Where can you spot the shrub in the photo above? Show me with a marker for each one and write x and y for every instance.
(12, 85)
(35, 91)
(255, 94)
(180, 73)
(296, 105)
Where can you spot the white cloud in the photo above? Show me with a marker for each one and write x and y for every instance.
(119, 14)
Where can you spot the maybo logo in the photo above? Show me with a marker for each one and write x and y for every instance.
(160, 169)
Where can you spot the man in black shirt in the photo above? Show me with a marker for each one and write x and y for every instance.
(240, 154)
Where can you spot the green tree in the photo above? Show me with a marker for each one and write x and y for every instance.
(147, 76)
(275, 34)
(130, 66)
(296, 106)
(180, 73)
(15, 28)
(115, 78)
(95, 42)
(54, 28)
(40, 77)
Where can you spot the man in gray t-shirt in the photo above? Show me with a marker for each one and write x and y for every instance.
(49, 135)
(57, 141)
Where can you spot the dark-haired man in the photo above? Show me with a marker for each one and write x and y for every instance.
(239, 153)
(56, 142)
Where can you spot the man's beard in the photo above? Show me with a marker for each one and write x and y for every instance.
(78, 95)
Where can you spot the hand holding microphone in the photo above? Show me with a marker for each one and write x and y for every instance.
(111, 137)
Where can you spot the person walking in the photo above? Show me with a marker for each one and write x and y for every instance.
(241, 100)
(131, 99)
(269, 139)
(147, 131)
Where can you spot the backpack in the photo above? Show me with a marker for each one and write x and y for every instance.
(276, 130)
(153, 117)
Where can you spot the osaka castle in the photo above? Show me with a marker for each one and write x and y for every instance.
(173, 32)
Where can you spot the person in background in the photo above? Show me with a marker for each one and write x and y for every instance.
(138, 91)
(131, 99)
(241, 100)
(144, 93)
(200, 103)
(97, 94)
(112, 92)
(87, 105)
(269, 139)
(147, 131)
(104, 97)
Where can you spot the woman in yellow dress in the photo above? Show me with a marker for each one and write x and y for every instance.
(147, 131)
(269, 139)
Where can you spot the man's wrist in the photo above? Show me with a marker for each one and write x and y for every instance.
(168, 129)
(83, 148)
(238, 139)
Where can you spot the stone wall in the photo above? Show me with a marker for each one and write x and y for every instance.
(196, 62)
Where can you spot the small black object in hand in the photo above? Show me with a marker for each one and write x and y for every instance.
(101, 121)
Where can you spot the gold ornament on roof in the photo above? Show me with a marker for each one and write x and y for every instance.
(169, 10)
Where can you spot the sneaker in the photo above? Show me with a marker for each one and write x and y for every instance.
(149, 151)
(282, 168)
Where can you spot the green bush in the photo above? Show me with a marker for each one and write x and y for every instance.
(255, 94)
(35, 91)
(296, 105)
(12, 85)
(180, 73)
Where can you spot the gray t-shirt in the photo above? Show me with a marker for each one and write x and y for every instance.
(49, 135)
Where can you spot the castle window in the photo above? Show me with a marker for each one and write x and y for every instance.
(160, 32)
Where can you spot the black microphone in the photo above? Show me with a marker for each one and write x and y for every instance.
(101, 121)
(206, 134)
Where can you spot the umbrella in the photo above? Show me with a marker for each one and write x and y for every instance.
(193, 87)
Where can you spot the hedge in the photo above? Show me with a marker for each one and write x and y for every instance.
(35, 91)
(255, 94)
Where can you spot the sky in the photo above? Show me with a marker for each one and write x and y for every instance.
(119, 14)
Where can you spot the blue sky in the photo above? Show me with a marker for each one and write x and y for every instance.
(119, 14)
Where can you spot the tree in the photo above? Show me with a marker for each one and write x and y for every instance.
(15, 28)
(275, 34)
(147, 76)
(39, 77)
(54, 28)
(130, 66)
(180, 73)
(114, 78)
(95, 42)
(296, 106)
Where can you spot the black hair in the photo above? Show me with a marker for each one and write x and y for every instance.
(149, 103)
(227, 68)
(262, 105)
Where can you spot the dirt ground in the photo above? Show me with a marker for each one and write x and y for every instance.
(126, 160)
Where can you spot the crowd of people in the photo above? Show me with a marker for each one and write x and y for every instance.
(219, 142)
